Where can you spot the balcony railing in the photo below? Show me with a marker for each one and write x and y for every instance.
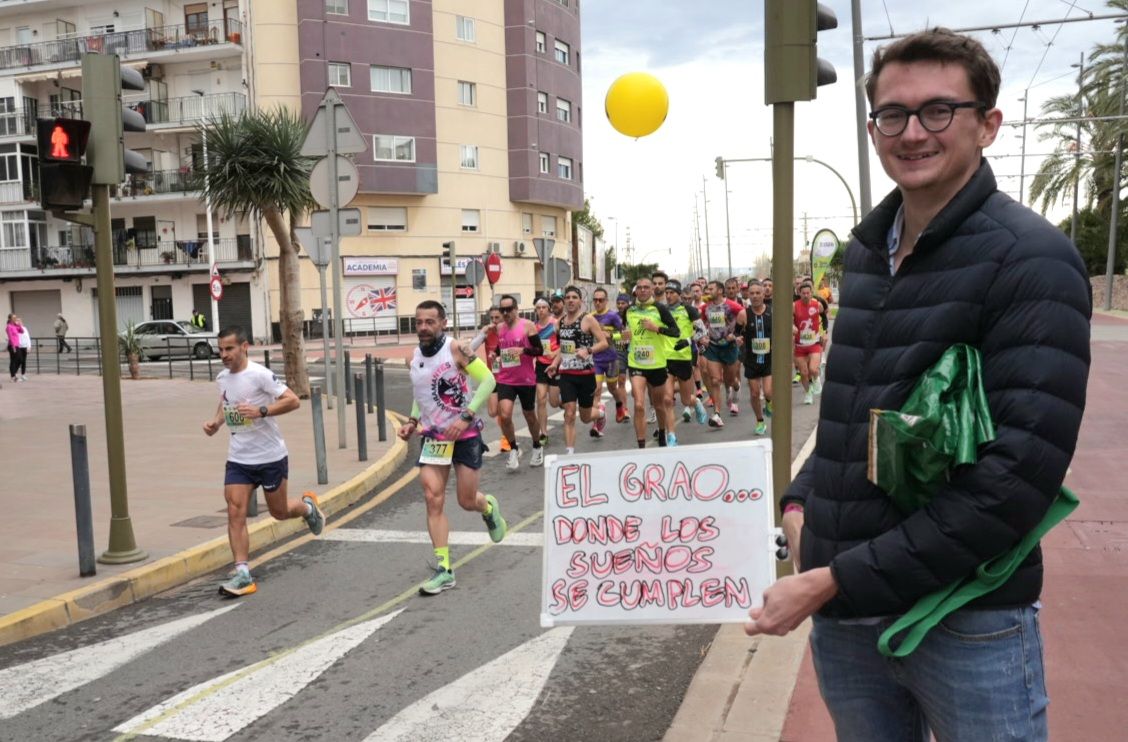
(159, 182)
(176, 254)
(21, 122)
(123, 43)
(190, 109)
(16, 192)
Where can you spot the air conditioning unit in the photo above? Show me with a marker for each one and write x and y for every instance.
(215, 64)
(494, 247)
(153, 72)
(519, 248)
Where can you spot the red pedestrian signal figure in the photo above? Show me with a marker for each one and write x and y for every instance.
(60, 143)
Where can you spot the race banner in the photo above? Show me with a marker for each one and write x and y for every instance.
(823, 247)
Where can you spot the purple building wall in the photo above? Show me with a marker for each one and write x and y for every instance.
(324, 38)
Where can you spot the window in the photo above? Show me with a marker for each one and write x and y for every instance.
(393, 148)
(542, 102)
(471, 220)
(542, 44)
(544, 162)
(418, 279)
(548, 226)
(103, 29)
(468, 156)
(340, 74)
(467, 93)
(564, 167)
(339, 7)
(563, 52)
(563, 110)
(387, 218)
(464, 28)
(195, 19)
(389, 11)
(526, 223)
(391, 79)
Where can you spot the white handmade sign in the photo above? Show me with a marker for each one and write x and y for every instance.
(662, 535)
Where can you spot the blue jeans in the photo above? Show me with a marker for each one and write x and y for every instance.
(977, 675)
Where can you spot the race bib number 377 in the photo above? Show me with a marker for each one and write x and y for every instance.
(436, 453)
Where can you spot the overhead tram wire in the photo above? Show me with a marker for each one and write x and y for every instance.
(1072, 7)
(1000, 26)
(1009, 46)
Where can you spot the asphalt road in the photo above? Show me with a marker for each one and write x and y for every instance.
(337, 644)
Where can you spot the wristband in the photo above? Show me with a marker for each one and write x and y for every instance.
(413, 421)
(792, 507)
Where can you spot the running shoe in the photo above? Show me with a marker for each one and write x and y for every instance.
(443, 579)
(23, 377)
(816, 386)
(621, 415)
(651, 417)
(687, 415)
(494, 522)
(734, 408)
(761, 427)
(505, 447)
(702, 415)
(513, 462)
(601, 422)
(594, 433)
(809, 397)
(796, 379)
(537, 457)
(767, 409)
(241, 584)
(715, 421)
(543, 440)
(315, 519)
(671, 439)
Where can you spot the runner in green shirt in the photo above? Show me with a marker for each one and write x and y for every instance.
(649, 325)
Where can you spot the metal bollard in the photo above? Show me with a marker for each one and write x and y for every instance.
(266, 358)
(378, 381)
(361, 428)
(368, 393)
(348, 375)
(83, 519)
(318, 434)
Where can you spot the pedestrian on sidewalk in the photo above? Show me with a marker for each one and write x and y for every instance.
(19, 341)
(946, 258)
(250, 396)
(61, 328)
(445, 414)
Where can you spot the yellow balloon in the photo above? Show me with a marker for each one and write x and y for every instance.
(636, 104)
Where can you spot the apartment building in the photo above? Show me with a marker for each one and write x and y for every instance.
(194, 59)
(472, 116)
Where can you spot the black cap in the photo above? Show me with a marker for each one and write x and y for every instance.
(674, 286)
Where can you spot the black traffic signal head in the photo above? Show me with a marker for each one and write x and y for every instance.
(721, 168)
(448, 248)
(792, 68)
(63, 180)
(62, 140)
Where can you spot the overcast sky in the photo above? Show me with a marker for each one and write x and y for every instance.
(709, 56)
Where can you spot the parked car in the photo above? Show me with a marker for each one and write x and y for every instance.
(161, 338)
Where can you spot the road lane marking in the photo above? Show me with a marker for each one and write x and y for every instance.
(487, 703)
(216, 709)
(456, 538)
(25, 686)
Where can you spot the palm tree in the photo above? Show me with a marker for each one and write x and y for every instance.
(1100, 92)
(255, 166)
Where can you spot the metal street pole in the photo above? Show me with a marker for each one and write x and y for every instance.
(728, 234)
(708, 251)
(453, 287)
(325, 332)
(783, 223)
(338, 289)
(1022, 157)
(123, 546)
(213, 271)
(1077, 152)
(1110, 276)
(860, 108)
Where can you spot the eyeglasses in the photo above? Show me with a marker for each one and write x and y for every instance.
(599, 299)
(935, 116)
(506, 309)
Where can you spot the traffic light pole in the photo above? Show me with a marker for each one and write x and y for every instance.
(123, 547)
(338, 288)
(783, 215)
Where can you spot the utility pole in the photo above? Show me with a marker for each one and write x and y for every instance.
(860, 107)
(1077, 151)
(708, 252)
(697, 235)
(1110, 275)
(1022, 158)
(806, 240)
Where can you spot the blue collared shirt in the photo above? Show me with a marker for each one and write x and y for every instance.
(893, 238)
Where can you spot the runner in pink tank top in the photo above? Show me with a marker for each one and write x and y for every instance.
(518, 345)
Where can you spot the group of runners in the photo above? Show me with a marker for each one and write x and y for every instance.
(660, 343)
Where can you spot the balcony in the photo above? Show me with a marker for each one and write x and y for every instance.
(157, 257)
(187, 111)
(21, 122)
(144, 41)
(17, 192)
(182, 182)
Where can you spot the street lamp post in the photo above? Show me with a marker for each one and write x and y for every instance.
(808, 158)
(1022, 157)
(213, 271)
(1077, 151)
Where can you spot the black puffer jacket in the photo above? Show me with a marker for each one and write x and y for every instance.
(987, 272)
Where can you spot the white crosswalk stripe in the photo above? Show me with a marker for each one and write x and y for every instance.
(214, 710)
(25, 686)
(456, 538)
(485, 704)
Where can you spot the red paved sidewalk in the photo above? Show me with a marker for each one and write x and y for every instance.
(1086, 588)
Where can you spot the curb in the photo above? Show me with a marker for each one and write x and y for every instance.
(177, 569)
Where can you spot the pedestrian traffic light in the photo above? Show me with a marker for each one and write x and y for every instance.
(64, 180)
(103, 79)
(721, 168)
(792, 68)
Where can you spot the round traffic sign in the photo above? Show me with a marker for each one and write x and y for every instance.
(474, 272)
(348, 182)
(493, 268)
(216, 286)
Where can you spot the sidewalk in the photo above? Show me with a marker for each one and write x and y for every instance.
(755, 690)
(175, 489)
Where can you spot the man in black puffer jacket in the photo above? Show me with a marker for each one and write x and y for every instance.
(944, 259)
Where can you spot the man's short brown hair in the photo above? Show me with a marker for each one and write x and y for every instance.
(944, 46)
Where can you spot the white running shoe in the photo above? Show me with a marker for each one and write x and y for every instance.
(651, 417)
(809, 397)
(816, 386)
(514, 461)
(537, 458)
